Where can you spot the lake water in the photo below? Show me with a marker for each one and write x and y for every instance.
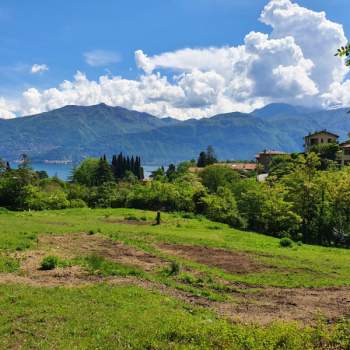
(63, 171)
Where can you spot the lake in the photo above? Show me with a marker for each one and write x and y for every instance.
(63, 171)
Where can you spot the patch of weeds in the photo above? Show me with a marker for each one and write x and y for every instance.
(91, 232)
(143, 218)
(98, 265)
(178, 225)
(190, 279)
(8, 264)
(22, 246)
(51, 262)
(131, 218)
(32, 236)
(174, 268)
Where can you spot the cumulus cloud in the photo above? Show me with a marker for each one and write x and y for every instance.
(98, 58)
(295, 63)
(6, 109)
(39, 68)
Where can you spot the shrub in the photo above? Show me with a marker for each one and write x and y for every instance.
(132, 218)
(77, 203)
(174, 268)
(286, 242)
(49, 263)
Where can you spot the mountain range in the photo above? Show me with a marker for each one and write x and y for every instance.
(75, 132)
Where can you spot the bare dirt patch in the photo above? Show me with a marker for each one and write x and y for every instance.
(81, 244)
(246, 303)
(70, 246)
(230, 261)
(292, 304)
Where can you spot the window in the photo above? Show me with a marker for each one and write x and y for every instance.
(330, 140)
(347, 152)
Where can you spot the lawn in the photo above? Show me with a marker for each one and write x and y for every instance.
(122, 282)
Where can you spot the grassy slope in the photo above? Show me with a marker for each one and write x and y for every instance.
(105, 317)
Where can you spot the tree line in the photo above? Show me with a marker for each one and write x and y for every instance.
(306, 196)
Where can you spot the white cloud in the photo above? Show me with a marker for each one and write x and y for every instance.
(39, 68)
(293, 64)
(6, 109)
(97, 58)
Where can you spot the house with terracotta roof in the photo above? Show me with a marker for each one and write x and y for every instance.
(344, 154)
(264, 158)
(319, 137)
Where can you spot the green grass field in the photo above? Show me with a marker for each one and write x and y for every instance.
(121, 282)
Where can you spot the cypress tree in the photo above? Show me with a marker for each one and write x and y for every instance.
(114, 166)
(104, 172)
(132, 165)
(202, 160)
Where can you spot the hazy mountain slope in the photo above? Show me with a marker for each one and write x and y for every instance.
(74, 132)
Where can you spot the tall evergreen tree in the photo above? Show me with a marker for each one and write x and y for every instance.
(202, 160)
(104, 172)
(211, 156)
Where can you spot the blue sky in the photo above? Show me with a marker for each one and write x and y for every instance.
(101, 37)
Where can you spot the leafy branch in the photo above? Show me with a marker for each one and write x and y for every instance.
(344, 51)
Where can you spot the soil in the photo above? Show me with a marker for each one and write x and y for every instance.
(230, 261)
(248, 304)
(292, 304)
(70, 246)
(82, 244)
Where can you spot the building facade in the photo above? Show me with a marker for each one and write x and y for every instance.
(344, 154)
(319, 137)
(264, 158)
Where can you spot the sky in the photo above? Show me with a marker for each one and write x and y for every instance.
(178, 58)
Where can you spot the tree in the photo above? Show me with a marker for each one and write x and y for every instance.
(202, 160)
(207, 158)
(158, 173)
(85, 173)
(327, 152)
(24, 162)
(121, 165)
(103, 172)
(215, 176)
(211, 157)
(171, 172)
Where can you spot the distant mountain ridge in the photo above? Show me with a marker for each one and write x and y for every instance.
(75, 132)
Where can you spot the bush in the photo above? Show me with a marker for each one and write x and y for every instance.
(131, 218)
(77, 203)
(49, 263)
(286, 242)
(174, 268)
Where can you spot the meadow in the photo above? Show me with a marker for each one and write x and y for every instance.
(119, 281)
